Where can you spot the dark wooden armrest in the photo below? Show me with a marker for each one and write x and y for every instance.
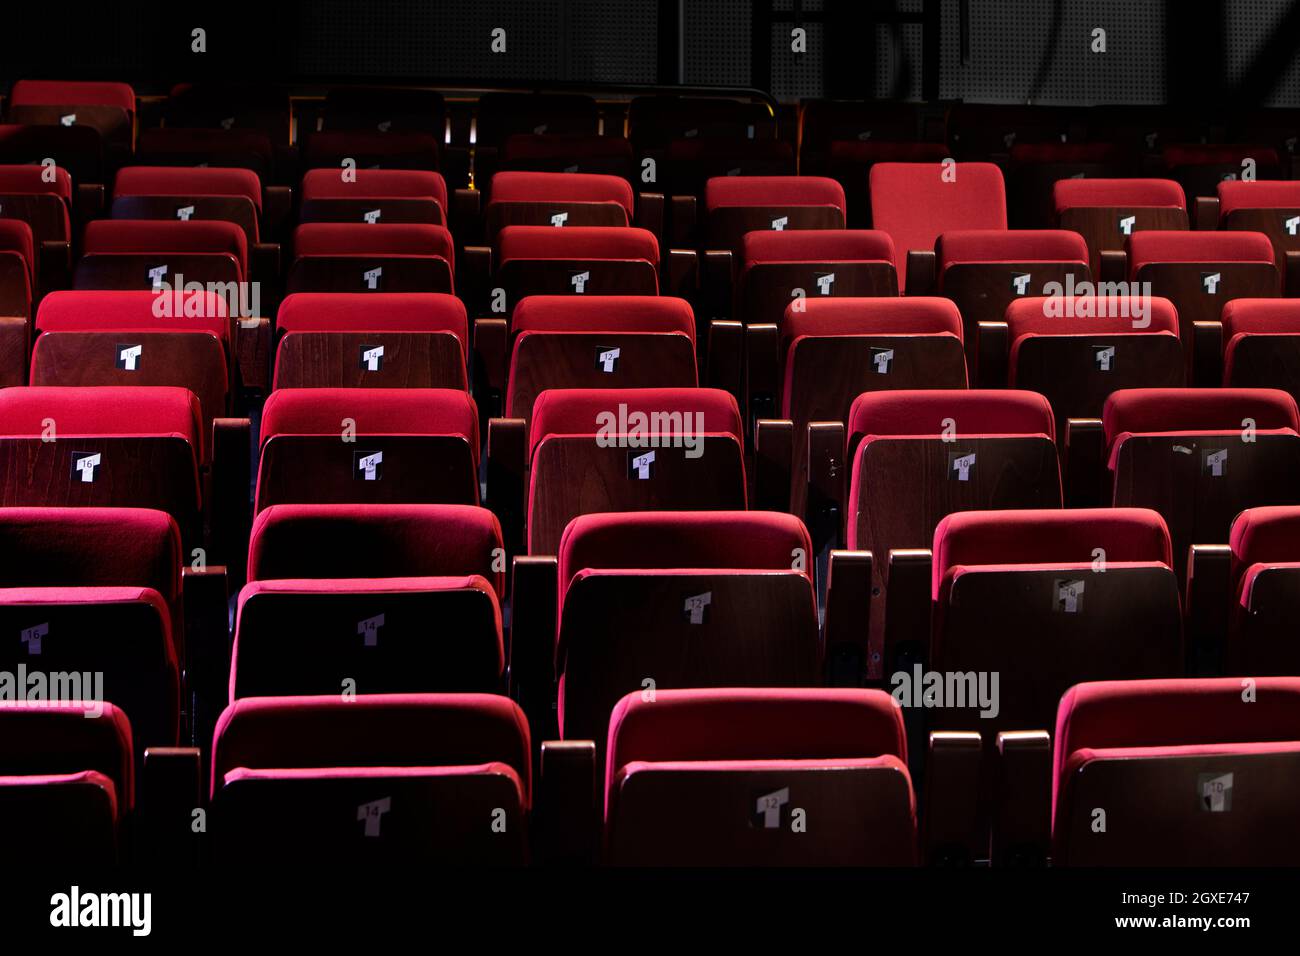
(725, 360)
(229, 508)
(532, 641)
(491, 365)
(169, 806)
(15, 348)
(1209, 608)
(848, 618)
(1085, 464)
(1207, 354)
(681, 277)
(253, 354)
(650, 213)
(568, 809)
(206, 648)
(993, 345)
(55, 267)
(264, 262)
(1291, 278)
(87, 204)
(773, 464)
(1113, 265)
(762, 371)
(464, 216)
(826, 483)
(907, 611)
(1206, 213)
(277, 211)
(950, 799)
(715, 283)
(474, 281)
(922, 272)
(1022, 823)
(682, 220)
(507, 474)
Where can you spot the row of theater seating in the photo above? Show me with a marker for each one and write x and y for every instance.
(338, 716)
(394, 640)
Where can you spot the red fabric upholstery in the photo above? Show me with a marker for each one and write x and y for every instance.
(753, 724)
(912, 203)
(562, 188)
(915, 315)
(374, 541)
(976, 411)
(103, 410)
(1068, 153)
(1047, 537)
(1144, 410)
(642, 540)
(373, 730)
(773, 191)
(1257, 194)
(72, 93)
(817, 245)
(373, 239)
(1266, 535)
(1213, 154)
(1127, 193)
(1260, 317)
(1010, 245)
(376, 411)
(375, 184)
(50, 738)
(26, 180)
(374, 312)
(162, 236)
(91, 547)
(579, 411)
(603, 313)
(189, 181)
(16, 236)
(73, 311)
(1087, 316)
(1168, 245)
(1172, 713)
(577, 242)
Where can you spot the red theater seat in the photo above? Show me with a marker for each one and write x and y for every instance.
(1261, 344)
(17, 281)
(1201, 271)
(40, 196)
(786, 755)
(735, 205)
(557, 199)
(1188, 773)
(374, 196)
(1107, 211)
(1098, 580)
(67, 780)
(148, 254)
(360, 257)
(985, 270)
(1272, 208)
(1265, 574)
(167, 192)
(578, 260)
(120, 339)
(431, 778)
(599, 342)
(1199, 456)
(368, 445)
(568, 153)
(135, 447)
(376, 541)
(918, 456)
(249, 149)
(372, 340)
(630, 447)
(916, 202)
(108, 108)
(721, 600)
(1076, 351)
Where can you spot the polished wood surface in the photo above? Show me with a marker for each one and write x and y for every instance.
(333, 360)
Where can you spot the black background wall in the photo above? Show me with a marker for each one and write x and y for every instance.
(1009, 51)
